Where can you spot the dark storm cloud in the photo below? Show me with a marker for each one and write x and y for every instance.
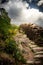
(3, 1)
(14, 12)
(12, 7)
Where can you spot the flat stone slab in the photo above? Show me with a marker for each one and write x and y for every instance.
(38, 56)
(37, 62)
(33, 46)
(30, 62)
(38, 49)
(41, 52)
(33, 62)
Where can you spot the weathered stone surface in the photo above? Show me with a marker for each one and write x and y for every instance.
(27, 47)
(32, 52)
(33, 32)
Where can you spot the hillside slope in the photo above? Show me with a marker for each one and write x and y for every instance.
(30, 50)
(18, 48)
(33, 32)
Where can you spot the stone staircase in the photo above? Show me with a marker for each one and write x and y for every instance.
(38, 53)
(31, 51)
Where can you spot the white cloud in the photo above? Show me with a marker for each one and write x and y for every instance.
(40, 2)
(20, 14)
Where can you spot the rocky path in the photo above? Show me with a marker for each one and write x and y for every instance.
(30, 50)
(38, 53)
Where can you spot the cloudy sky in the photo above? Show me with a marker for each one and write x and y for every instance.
(24, 11)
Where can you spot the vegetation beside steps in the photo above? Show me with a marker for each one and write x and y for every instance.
(9, 52)
(15, 47)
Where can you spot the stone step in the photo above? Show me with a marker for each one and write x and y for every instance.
(33, 62)
(41, 53)
(33, 46)
(37, 62)
(32, 43)
(38, 56)
(38, 49)
(30, 62)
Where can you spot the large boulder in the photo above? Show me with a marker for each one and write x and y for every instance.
(34, 32)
